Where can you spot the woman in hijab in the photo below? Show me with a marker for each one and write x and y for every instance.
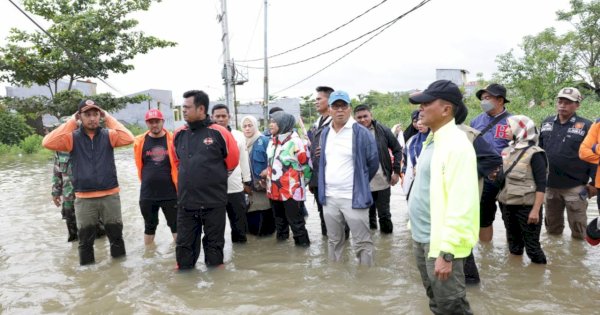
(412, 129)
(287, 175)
(411, 153)
(525, 170)
(260, 216)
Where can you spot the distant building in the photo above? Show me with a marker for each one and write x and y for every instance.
(457, 76)
(471, 88)
(85, 87)
(160, 99)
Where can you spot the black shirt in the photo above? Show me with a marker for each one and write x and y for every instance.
(561, 143)
(157, 183)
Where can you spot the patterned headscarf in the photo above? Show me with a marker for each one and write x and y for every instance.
(523, 129)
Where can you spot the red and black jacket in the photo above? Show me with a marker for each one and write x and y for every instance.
(205, 154)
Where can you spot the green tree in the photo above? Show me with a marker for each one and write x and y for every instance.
(13, 128)
(546, 66)
(307, 109)
(90, 39)
(584, 16)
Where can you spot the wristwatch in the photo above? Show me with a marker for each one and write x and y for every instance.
(447, 256)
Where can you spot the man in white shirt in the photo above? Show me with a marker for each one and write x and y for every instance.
(348, 162)
(238, 183)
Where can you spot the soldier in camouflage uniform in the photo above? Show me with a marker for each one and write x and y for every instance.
(63, 187)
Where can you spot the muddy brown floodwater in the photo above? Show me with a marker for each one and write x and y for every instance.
(39, 270)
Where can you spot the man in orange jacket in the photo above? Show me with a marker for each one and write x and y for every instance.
(94, 174)
(589, 151)
(155, 162)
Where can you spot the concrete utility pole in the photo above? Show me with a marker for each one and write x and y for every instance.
(227, 73)
(266, 73)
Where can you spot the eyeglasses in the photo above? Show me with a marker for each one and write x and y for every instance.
(339, 106)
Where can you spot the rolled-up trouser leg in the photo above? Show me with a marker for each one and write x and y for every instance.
(110, 212)
(213, 221)
(169, 208)
(86, 214)
(189, 230)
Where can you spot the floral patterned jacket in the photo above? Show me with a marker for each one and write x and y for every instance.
(289, 168)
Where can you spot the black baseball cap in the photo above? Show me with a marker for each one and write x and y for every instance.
(86, 105)
(495, 89)
(441, 89)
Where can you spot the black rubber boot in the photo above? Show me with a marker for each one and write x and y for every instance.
(373, 218)
(72, 228)
(302, 241)
(471, 272)
(86, 235)
(386, 226)
(114, 232)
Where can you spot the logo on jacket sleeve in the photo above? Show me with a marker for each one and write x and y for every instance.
(208, 141)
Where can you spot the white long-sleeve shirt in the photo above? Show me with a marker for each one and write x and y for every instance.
(241, 174)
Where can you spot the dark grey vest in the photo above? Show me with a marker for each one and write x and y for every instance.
(93, 161)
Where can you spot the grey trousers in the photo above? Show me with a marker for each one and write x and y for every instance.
(337, 213)
(445, 297)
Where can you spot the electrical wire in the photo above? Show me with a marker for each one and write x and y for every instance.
(69, 53)
(318, 38)
(357, 47)
(383, 26)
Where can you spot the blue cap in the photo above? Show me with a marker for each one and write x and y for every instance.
(339, 96)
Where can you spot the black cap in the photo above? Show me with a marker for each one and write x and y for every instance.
(495, 89)
(441, 89)
(86, 105)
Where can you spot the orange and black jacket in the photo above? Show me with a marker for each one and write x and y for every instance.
(138, 146)
(205, 153)
(589, 150)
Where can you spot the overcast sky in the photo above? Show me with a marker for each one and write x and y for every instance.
(465, 34)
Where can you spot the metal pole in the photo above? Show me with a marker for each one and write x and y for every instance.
(228, 73)
(266, 82)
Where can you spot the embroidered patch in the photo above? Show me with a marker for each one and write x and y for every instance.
(547, 126)
(208, 141)
(576, 131)
(501, 132)
(579, 125)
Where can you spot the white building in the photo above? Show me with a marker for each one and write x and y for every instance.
(160, 99)
(457, 76)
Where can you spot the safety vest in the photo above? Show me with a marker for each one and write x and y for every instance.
(519, 187)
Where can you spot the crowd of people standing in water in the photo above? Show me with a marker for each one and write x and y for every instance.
(455, 177)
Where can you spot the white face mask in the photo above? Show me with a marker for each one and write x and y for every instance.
(486, 106)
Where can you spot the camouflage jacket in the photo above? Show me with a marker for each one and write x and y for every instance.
(61, 180)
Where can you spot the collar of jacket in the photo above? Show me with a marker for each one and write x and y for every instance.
(442, 134)
(200, 123)
(83, 131)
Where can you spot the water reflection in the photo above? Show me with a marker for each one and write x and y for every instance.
(39, 270)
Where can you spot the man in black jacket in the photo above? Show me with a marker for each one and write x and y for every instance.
(389, 170)
(206, 153)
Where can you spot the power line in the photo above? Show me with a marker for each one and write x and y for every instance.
(69, 53)
(351, 51)
(318, 38)
(260, 10)
(383, 26)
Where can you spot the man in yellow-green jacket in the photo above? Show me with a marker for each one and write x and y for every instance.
(444, 201)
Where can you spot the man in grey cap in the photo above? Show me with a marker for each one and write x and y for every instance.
(444, 201)
(568, 177)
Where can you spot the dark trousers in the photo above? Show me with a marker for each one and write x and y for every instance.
(520, 234)
(288, 214)
(150, 208)
(487, 205)
(381, 208)
(190, 224)
(261, 222)
(236, 212)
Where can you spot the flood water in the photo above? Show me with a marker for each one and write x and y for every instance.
(40, 272)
